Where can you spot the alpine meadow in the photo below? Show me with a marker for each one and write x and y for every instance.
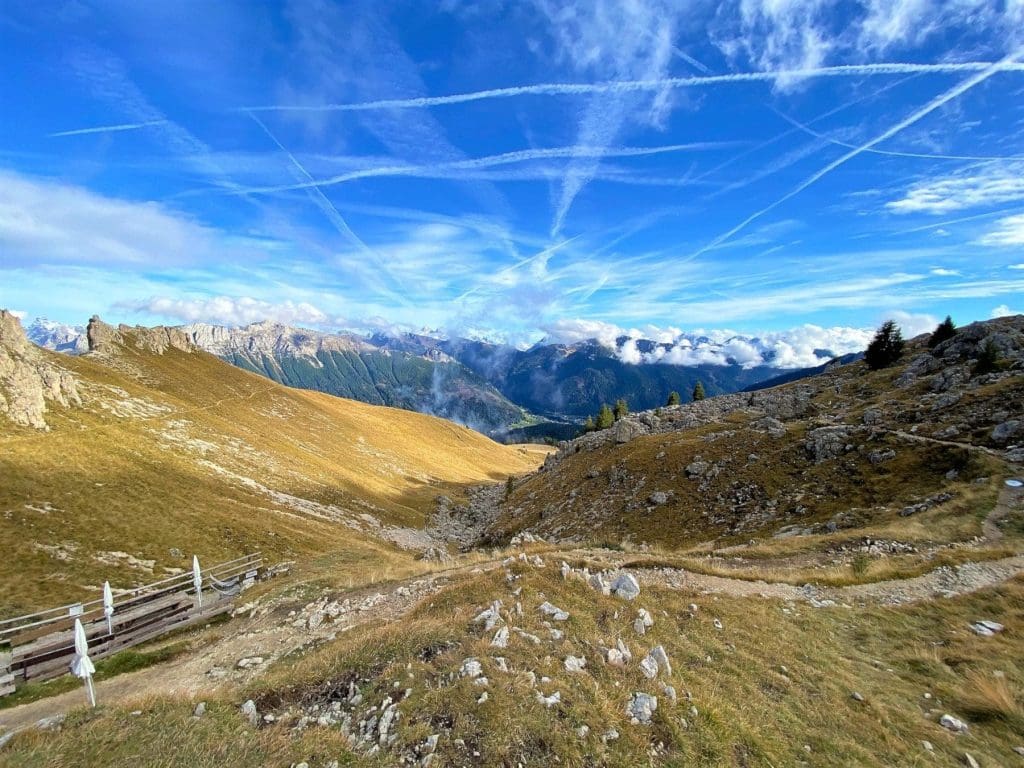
(584, 383)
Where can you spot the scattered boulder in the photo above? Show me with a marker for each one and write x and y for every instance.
(1004, 432)
(649, 667)
(500, 638)
(880, 457)
(554, 612)
(549, 701)
(627, 430)
(575, 663)
(641, 708)
(250, 713)
(826, 443)
(643, 621)
(954, 724)
(658, 498)
(626, 586)
(658, 654)
(471, 668)
(986, 628)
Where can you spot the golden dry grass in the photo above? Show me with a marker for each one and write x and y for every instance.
(207, 465)
(775, 678)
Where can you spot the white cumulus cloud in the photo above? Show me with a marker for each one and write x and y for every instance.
(993, 183)
(1004, 311)
(226, 310)
(1008, 231)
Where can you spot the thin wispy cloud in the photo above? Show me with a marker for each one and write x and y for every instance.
(493, 161)
(893, 130)
(645, 86)
(333, 215)
(526, 164)
(890, 153)
(108, 128)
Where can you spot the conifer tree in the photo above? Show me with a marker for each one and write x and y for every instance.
(886, 348)
(673, 398)
(698, 391)
(945, 330)
(605, 417)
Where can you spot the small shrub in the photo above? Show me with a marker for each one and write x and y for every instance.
(860, 564)
(988, 359)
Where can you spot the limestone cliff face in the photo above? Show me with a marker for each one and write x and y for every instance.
(104, 338)
(27, 379)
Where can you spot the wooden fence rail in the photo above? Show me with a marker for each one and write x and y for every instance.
(40, 645)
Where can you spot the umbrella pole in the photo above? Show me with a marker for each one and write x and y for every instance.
(90, 691)
(110, 625)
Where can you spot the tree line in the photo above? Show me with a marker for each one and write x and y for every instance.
(607, 415)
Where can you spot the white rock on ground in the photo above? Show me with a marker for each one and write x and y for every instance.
(649, 667)
(500, 638)
(491, 616)
(624, 650)
(952, 723)
(658, 654)
(554, 612)
(986, 628)
(598, 583)
(251, 714)
(641, 708)
(549, 701)
(471, 668)
(643, 622)
(626, 586)
(575, 663)
(614, 657)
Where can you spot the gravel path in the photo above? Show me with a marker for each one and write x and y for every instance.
(284, 624)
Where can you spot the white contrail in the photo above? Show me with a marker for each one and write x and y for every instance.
(627, 86)
(108, 128)
(891, 153)
(931, 106)
(324, 204)
(491, 161)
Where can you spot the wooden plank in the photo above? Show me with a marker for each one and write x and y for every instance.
(45, 669)
(6, 677)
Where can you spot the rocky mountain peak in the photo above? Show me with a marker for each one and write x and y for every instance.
(28, 379)
(103, 337)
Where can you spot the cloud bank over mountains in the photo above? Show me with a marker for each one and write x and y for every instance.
(803, 347)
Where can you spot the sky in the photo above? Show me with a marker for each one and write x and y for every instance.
(515, 170)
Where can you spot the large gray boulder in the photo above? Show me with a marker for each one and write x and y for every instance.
(626, 586)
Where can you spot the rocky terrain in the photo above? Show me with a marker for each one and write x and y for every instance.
(837, 450)
(28, 380)
(827, 572)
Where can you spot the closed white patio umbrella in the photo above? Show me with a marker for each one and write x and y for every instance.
(197, 579)
(81, 665)
(108, 607)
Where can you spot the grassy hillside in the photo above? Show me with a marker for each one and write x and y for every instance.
(175, 452)
(847, 450)
(758, 682)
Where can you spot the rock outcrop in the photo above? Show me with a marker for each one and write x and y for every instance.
(28, 380)
(103, 337)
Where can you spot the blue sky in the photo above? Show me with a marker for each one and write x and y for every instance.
(515, 170)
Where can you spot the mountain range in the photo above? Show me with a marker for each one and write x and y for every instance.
(545, 391)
